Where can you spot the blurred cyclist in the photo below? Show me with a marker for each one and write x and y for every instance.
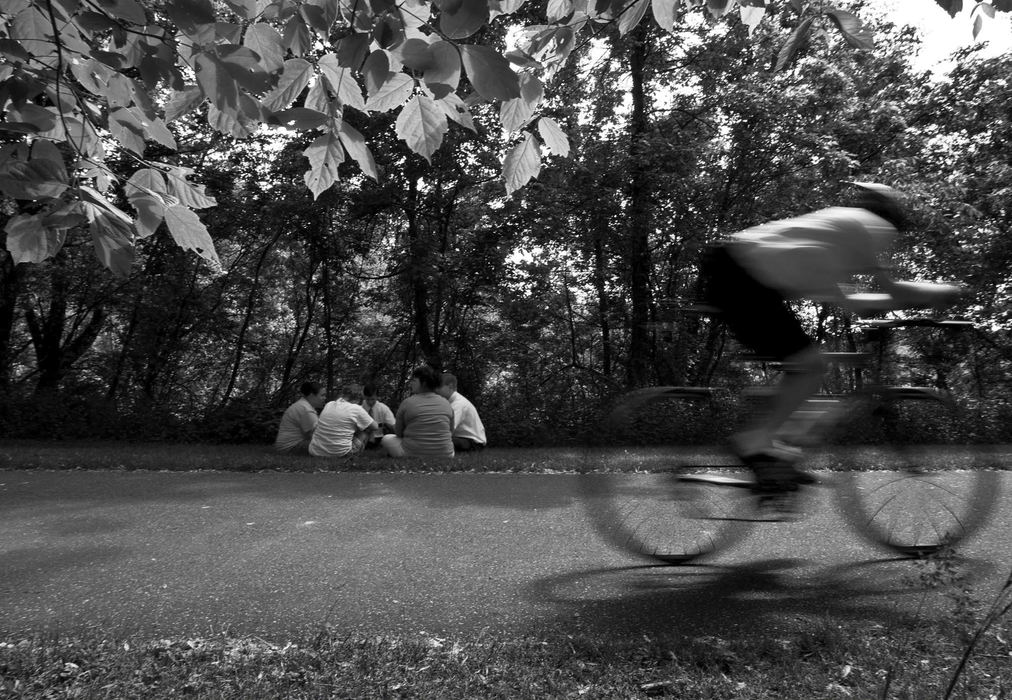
(751, 276)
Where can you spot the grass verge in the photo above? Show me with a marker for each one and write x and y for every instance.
(827, 660)
(16, 454)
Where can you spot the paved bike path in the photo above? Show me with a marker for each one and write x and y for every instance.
(275, 554)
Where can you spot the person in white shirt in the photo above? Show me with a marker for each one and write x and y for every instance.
(343, 426)
(750, 277)
(468, 430)
(299, 420)
(380, 413)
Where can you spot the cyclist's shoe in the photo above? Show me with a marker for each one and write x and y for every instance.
(774, 474)
(752, 444)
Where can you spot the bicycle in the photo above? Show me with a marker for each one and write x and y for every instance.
(895, 488)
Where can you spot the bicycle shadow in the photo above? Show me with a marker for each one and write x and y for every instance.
(760, 598)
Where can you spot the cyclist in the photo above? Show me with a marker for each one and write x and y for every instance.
(751, 276)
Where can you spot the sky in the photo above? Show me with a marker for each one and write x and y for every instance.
(944, 34)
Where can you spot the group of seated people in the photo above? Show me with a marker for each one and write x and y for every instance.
(434, 421)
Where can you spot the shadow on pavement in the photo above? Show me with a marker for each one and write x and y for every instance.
(765, 597)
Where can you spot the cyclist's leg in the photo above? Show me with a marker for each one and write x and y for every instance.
(760, 318)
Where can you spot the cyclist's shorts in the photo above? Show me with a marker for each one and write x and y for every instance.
(758, 316)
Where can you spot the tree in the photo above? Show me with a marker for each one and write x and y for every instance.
(85, 80)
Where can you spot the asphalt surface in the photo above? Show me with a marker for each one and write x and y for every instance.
(281, 554)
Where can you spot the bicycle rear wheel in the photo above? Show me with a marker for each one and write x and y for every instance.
(639, 498)
(919, 484)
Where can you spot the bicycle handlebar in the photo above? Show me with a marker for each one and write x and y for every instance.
(917, 322)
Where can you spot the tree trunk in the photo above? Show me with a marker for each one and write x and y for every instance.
(418, 283)
(603, 306)
(10, 285)
(55, 355)
(639, 215)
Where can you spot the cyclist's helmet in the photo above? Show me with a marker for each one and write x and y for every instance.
(882, 201)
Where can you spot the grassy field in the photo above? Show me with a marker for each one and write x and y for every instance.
(824, 658)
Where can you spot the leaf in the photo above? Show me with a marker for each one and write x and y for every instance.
(189, 232)
(14, 51)
(154, 129)
(515, 113)
(266, 42)
(182, 102)
(553, 136)
(325, 154)
(293, 81)
(391, 94)
(854, 32)
(489, 73)
(296, 37)
(953, 7)
(455, 109)
(718, 8)
(978, 24)
(66, 217)
(352, 50)
(243, 66)
(504, 7)
(631, 15)
(354, 144)
(421, 125)
(144, 191)
(217, 84)
(414, 14)
(464, 19)
(192, 17)
(33, 29)
(751, 17)
(40, 118)
(522, 163)
(665, 12)
(558, 10)
(342, 82)
(30, 241)
(317, 98)
(301, 119)
(375, 71)
(246, 9)
(127, 10)
(443, 74)
(416, 54)
(188, 195)
(231, 123)
(111, 232)
(794, 43)
(126, 130)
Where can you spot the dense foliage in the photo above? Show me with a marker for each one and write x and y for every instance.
(544, 303)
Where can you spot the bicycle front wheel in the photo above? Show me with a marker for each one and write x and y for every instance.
(918, 485)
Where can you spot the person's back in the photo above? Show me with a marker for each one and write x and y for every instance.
(809, 256)
(342, 425)
(299, 420)
(468, 430)
(427, 421)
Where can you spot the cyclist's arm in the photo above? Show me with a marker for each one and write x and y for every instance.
(898, 294)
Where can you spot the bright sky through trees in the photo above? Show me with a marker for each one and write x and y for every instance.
(944, 34)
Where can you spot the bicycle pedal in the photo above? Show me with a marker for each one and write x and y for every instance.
(779, 506)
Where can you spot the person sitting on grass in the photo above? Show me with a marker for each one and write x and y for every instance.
(299, 420)
(380, 413)
(343, 426)
(424, 421)
(468, 431)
